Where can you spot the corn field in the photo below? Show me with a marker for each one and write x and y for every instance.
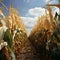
(44, 37)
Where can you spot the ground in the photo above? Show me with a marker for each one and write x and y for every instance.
(28, 52)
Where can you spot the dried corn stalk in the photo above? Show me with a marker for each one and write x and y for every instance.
(18, 32)
(13, 22)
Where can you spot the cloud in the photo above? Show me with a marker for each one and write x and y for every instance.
(37, 11)
(29, 22)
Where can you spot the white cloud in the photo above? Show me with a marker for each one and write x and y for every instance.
(31, 19)
(29, 22)
(37, 11)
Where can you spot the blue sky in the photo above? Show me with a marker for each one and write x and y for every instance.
(29, 10)
(25, 5)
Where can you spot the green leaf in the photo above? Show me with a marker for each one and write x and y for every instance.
(8, 38)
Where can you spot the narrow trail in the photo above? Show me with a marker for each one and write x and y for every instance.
(28, 52)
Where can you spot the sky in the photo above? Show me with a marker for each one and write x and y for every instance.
(29, 10)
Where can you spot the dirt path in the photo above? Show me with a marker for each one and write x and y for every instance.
(28, 52)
